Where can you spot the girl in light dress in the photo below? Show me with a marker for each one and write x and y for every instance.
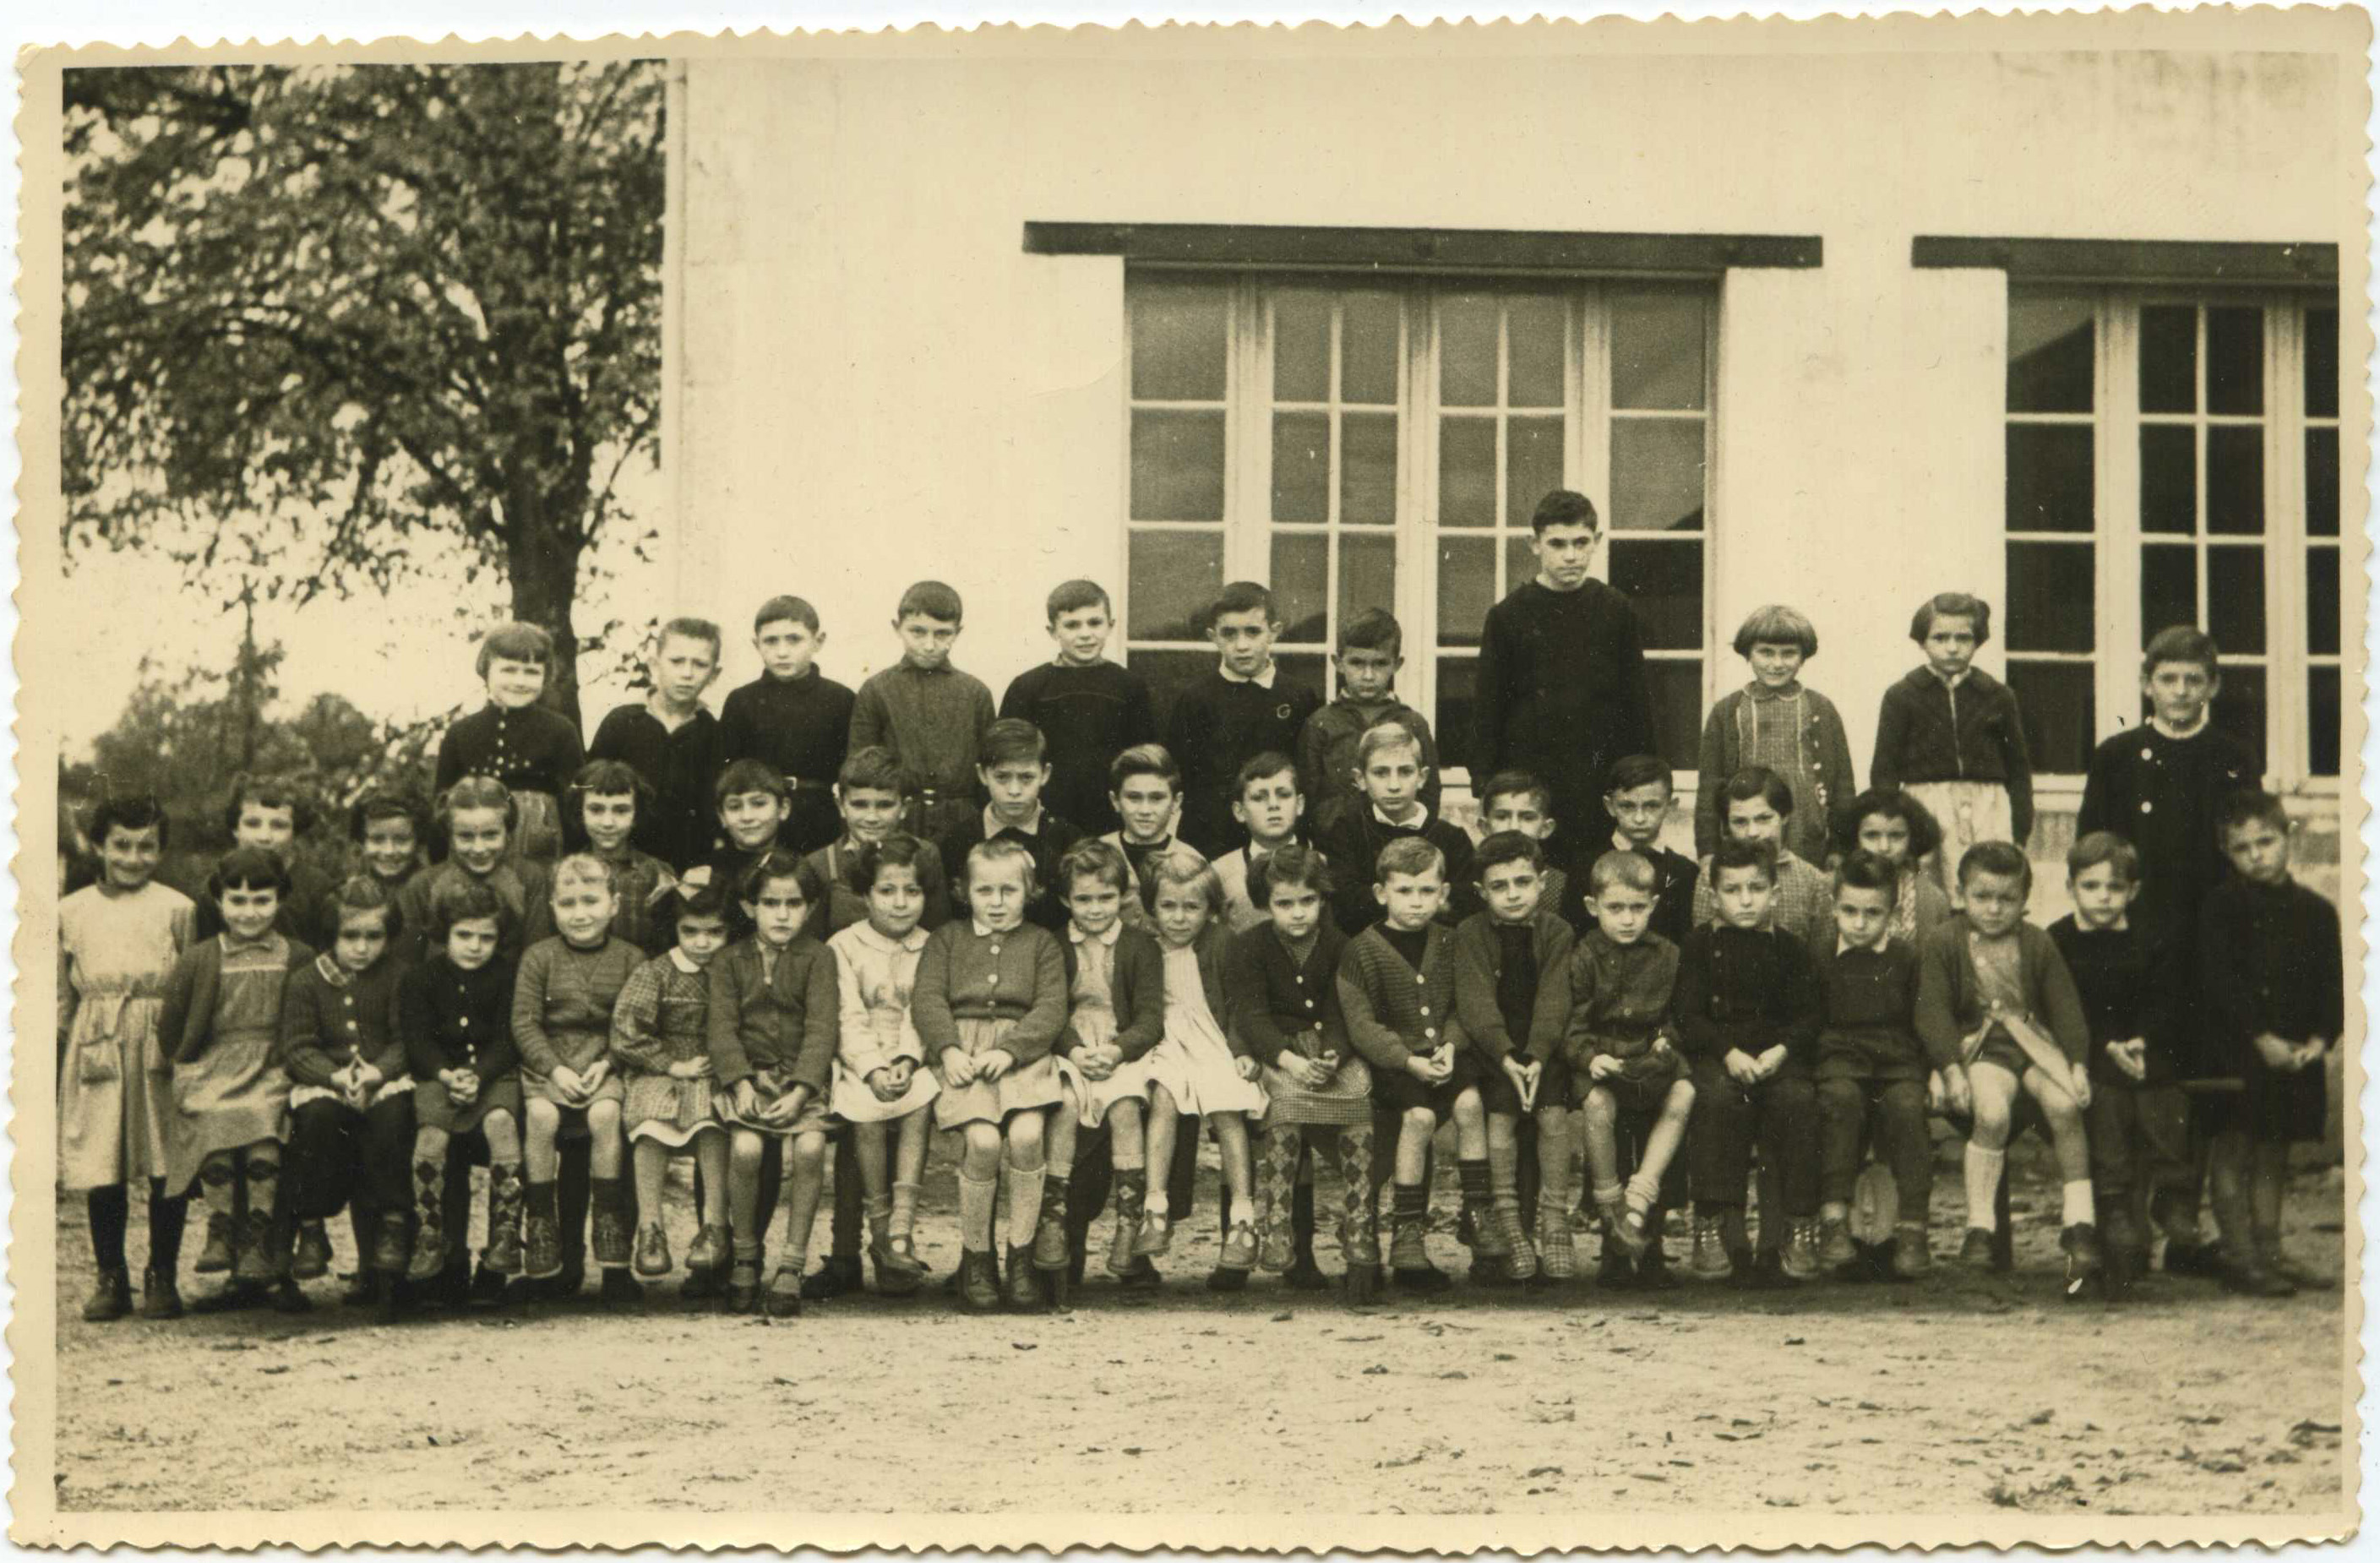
(117, 941)
(989, 1001)
(881, 1079)
(1195, 1070)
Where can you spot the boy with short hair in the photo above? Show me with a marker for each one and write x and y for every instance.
(1872, 1066)
(1563, 689)
(871, 794)
(1748, 1009)
(674, 743)
(1241, 709)
(1636, 795)
(2160, 784)
(1016, 767)
(1753, 806)
(270, 814)
(1144, 793)
(1502, 955)
(792, 718)
(1515, 800)
(1388, 758)
(1396, 990)
(1268, 805)
(1090, 710)
(1993, 989)
(931, 716)
(752, 803)
(1371, 652)
(2271, 975)
(2139, 1119)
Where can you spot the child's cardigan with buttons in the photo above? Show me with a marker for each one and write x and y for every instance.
(1392, 1011)
(971, 973)
(1479, 967)
(782, 1017)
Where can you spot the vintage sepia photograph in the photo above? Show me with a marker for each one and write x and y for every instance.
(1556, 784)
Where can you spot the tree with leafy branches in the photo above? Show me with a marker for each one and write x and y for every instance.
(326, 327)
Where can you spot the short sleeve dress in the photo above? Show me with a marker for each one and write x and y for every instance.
(115, 1106)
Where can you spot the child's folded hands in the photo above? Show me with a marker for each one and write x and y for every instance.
(788, 1106)
(881, 1080)
(958, 1067)
(1741, 1067)
(2277, 1053)
(747, 1098)
(568, 1086)
(2132, 1057)
(1603, 1067)
(1771, 1061)
(1098, 1061)
(993, 1064)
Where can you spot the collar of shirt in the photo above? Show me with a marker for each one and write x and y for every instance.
(983, 932)
(1844, 946)
(2205, 715)
(1113, 932)
(1263, 680)
(1951, 682)
(234, 945)
(655, 709)
(935, 671)
(327, 964)
(875, 937)
(1060, 662)
(993, 826)
(682, 962)
(1760, 691)
(1414, 821)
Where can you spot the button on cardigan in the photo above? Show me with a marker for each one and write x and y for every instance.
(1393, 1011)
(970, 973)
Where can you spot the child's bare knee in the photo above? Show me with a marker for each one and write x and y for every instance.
(1420, 1121)
(809, 1151)
(744, 1150)
(604, 1118)
(1024, 1132)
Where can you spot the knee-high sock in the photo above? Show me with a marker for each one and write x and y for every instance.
(166, 1218)
(111, 1211)
(1024, 1202)
(975, 1199)
(1984, 1169)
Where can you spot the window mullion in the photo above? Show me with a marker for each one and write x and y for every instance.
(2116, 515)
(1416, 523)
(1593, 445)
(2286, 718)
(1248, 453)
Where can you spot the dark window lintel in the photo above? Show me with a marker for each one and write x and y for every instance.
(2134, 261)
(1454, 249)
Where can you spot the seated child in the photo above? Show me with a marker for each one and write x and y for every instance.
(603, 807)
(1754, 807)
(475, 818)
(1015, 767)
(1280, 980)
(1195, 1070)
(1748, 1009)
(1502, 955)
(1370, 655)
(2139, 1119)
(1776, 721)
(118, 942)
(1613, 993)
(1896, 827)
(881, 1079)
(564, 998)
(351, 1095)
(1396, 990)
(792, 718)
(387, 829)
(868, 792)
(2272, 978)
(1391, 774)
(773, 1016)
(989, 1001)
(1873, 1065)
(1091, 708)
(1266, 805)
(1637, 797)
(660, 1046)
(219, 1022)
(1115, 980)
(1994, 987)
(1145, 794)
(530, 750)
(454, 1012)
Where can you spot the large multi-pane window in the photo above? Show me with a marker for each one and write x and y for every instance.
(1383, 443)
(2174, 460)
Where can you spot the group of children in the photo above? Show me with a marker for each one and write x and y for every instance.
(829, 919)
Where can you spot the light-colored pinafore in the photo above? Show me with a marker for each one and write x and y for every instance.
(115, 1105)
(1194, 1062)
(1093, 1019)
(235, 1094)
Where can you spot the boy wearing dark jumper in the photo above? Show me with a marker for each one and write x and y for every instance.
(1637, 797)
(1371, 652)
(1501, 954)
(1089, 708)
(1014, 769)
(1873, 1068)
(1748, 1009)
(2139, 1119)
(871, 794)
(792, 718)
(1389, 759)
(930, 715)
(673, 741)
(2271, 975)
(1562, 687)
(1225, 718)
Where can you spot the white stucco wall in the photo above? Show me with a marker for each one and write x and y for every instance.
(876, 383)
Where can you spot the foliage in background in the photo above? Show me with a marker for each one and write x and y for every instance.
(326, 325)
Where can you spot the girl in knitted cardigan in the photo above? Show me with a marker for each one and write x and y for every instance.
(1777, 721)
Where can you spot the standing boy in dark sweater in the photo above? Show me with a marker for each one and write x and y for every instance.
(1371, 651)
(2137, 1117)
(2158, 786)
(1562, 690)
(1747, 1009)
(1873, 1070)
(1226, 718)
(792, 718)
(1089, 708)
(674, 743)
(928, 713)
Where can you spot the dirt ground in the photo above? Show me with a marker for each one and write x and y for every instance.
(1956, 1395)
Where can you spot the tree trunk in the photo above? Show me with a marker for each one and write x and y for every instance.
(543, 565)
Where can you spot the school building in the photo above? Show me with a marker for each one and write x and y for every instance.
(1841, 326)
